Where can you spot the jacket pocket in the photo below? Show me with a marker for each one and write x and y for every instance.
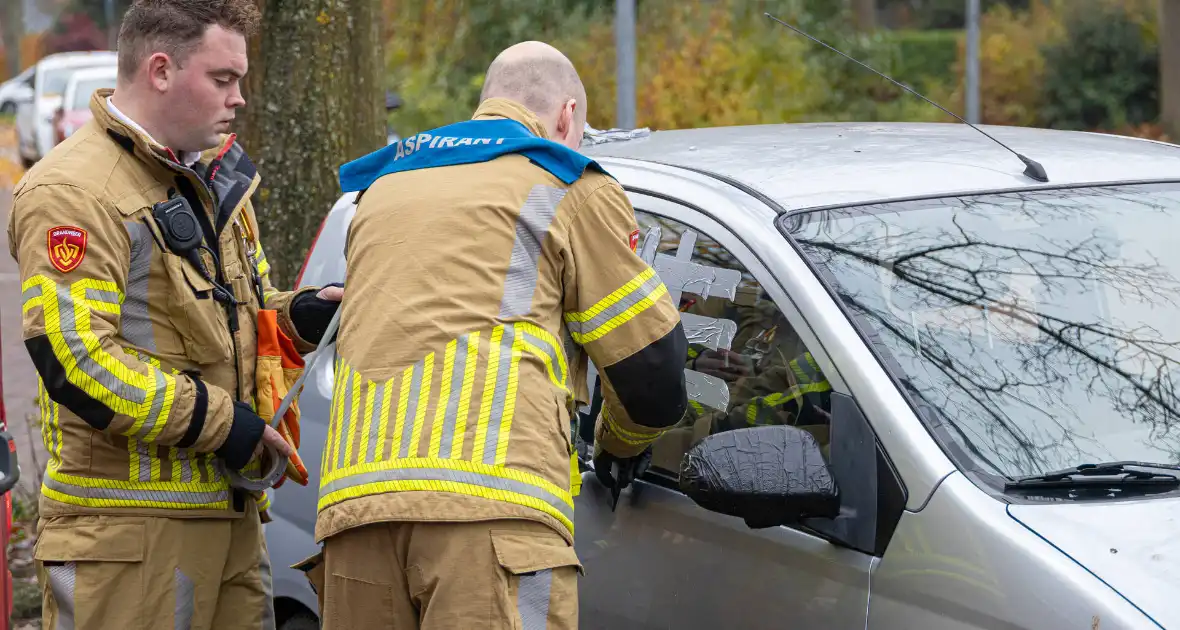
(196, 316)
(95, 570)
(522, 553)
(313, 568)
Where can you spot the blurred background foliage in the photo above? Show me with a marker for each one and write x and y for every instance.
(1071, 64)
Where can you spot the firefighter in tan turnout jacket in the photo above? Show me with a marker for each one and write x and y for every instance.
(491, 260)
(147, 364)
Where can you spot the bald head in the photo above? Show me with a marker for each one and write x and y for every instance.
(542, 79)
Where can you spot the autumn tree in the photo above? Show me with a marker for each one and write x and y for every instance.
(315, 100)
(11, 28)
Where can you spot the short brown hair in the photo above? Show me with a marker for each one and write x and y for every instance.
(175, 26)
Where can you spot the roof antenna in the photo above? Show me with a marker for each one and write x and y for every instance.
(1034, 170)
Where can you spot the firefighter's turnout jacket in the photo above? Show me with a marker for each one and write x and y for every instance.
(490, 262)
(139, 365)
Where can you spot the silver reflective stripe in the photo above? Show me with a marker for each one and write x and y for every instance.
(550, 353)
(411, 408)
(30, 293)
(531, 227)
(186, 600)
(126, 391)
(454, 476)
(452, 412)
(123, 494)
(185, 457)
(708, 331)
(503, 370)
(157, 405)
(532, 599)
(344, 430)
(145, 460)
(99, 295)
(215, 465)
(618, 308)
(375, 421)
(137, 325)
(61, 583)
(264, 572)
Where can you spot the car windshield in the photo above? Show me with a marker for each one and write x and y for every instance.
(1034, 331)
(85, 89)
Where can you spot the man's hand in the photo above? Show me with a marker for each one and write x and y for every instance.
(275, 440)
(311, 313)
(726, 365)
(617, 473)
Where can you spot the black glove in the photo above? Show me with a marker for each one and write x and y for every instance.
(244, 435)
(311, 315)
(617, 473)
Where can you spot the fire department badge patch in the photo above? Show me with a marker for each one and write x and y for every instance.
(634, 240)
(67, 247)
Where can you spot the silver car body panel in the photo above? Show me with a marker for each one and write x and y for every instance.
(962, 563)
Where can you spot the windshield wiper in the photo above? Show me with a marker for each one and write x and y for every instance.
(1108, 474)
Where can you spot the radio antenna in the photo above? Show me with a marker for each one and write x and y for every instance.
(1034, 169)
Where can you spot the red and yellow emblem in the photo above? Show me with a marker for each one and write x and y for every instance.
(67, 247)
(634, 240)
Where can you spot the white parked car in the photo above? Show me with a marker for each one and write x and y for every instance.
(35, 113)
(15, 90)
(75, 105)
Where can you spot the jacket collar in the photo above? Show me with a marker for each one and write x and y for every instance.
(505, 108)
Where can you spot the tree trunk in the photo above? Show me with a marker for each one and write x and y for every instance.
(1169, 30)
(865, 13)
(12, 27)
(314, 101)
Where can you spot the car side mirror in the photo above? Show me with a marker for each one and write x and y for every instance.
(9, 469)
(767, 476)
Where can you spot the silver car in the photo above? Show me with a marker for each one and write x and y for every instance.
(986, 436)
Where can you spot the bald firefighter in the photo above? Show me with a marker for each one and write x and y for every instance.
(143, 276)
(486, 260)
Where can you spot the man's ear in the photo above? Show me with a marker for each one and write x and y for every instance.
(161, 71)
(567, 118)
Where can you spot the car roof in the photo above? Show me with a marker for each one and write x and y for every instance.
(811, 165)
(65, 60)
(99, 72)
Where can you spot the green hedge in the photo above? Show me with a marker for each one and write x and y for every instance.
(922, 57)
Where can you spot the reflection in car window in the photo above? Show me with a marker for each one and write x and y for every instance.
(747, 366)
(1035, 330)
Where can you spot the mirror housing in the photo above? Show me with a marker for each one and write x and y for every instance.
(767, 476)
(9, 468)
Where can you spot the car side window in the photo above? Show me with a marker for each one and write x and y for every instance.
(747, 366)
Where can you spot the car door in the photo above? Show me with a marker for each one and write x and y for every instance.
(659, 560)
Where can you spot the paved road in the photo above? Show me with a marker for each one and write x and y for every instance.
(20, 379)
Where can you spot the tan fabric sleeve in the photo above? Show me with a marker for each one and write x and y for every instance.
(72, 290)
(616, 307)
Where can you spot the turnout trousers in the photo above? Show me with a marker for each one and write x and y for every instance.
(499, 574)
(154, 573)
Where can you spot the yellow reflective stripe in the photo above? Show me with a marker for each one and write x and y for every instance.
(264, 502)
(629, 437)
(444, 393)
(553, 355)
(489, 391)
(697, 407)
(423, 402)
(811, 362)
(777, 399)
(91, 492)
(403, 401)
(465, 395)
(575, 474)
(32, 294)
(336, 411)
(496, 483)
(350, 432)
(367, 410)
(510, 399)
(383, 420)
(263, 265)
(616, 309)
(799, 373)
